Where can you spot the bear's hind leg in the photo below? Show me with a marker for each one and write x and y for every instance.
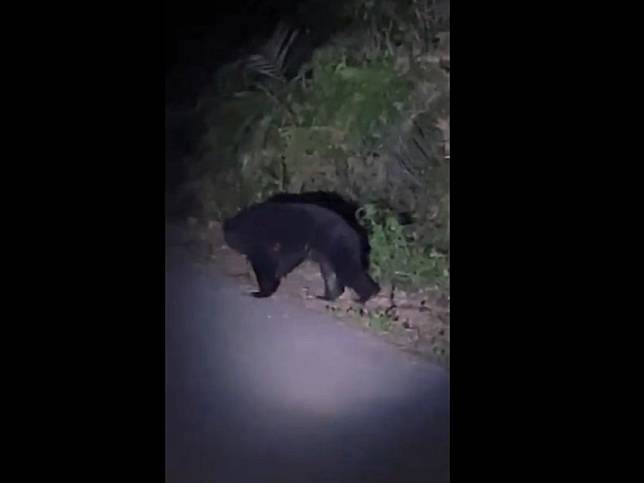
(353, 274)
(364, 286)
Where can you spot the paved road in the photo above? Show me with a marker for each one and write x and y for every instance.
(261, 391)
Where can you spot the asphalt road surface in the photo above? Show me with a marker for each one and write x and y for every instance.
(263, 391)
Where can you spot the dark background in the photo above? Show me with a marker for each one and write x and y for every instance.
(200, 36)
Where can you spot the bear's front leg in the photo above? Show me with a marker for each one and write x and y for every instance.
(264, 264)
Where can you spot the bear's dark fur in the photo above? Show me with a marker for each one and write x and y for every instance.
(332, 201)
(277, 236)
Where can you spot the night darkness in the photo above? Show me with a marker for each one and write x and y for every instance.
(200, 36)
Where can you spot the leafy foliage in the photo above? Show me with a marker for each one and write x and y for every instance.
(396, 258)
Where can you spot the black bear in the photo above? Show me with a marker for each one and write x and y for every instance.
(276, 236)
(345, 208)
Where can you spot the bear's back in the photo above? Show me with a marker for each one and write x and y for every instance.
(293, 225)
